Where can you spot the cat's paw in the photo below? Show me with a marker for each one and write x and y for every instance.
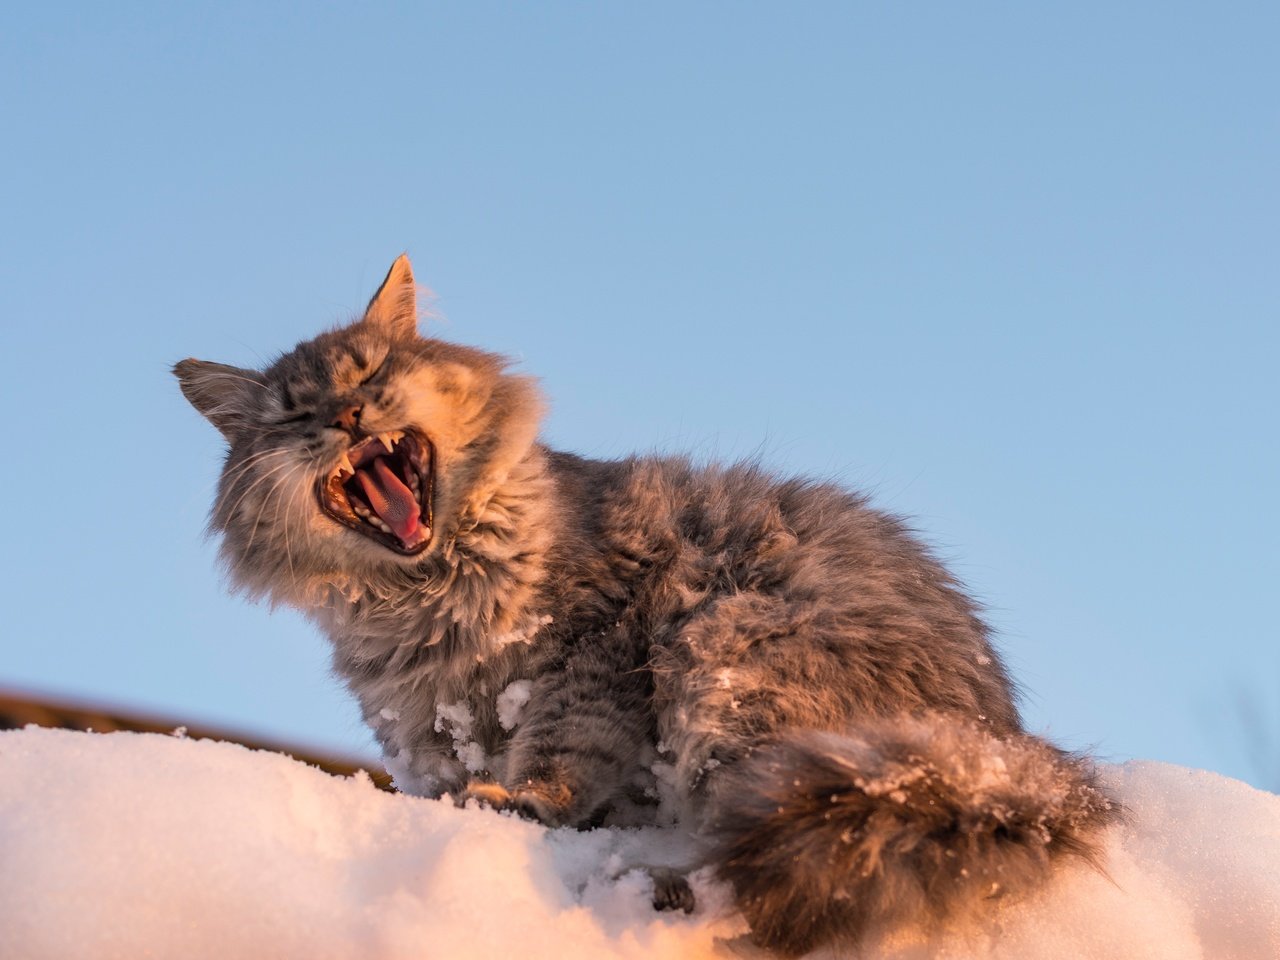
(671, 890)
(487, 794)
(546, 803)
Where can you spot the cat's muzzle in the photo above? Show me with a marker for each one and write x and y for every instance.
(382, 487)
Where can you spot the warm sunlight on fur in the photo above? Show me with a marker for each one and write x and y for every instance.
(771, 663)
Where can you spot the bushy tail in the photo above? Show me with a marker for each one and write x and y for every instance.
(829, 836)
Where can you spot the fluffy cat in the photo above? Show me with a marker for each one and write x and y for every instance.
(535, 629)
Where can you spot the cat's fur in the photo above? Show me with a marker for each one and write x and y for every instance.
(840, 729)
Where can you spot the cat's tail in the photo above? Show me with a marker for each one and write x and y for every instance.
(827, 836)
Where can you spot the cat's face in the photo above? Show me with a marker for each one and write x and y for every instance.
(362, 448)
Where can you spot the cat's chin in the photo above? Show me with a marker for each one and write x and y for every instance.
(382, 488)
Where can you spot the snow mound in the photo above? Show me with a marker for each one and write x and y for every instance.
(127, 845)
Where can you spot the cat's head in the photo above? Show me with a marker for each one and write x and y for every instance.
(360, 451)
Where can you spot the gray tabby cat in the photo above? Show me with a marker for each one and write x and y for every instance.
(535, 630)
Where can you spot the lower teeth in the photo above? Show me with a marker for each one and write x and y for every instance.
(368, 516)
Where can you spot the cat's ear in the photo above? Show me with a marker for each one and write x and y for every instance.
(394, 307)
(224, 395)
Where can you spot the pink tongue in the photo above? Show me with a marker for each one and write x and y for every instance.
(391, 499)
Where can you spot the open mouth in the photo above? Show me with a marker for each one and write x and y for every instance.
(382, 488)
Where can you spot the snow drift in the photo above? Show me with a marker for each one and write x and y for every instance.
(128, 845)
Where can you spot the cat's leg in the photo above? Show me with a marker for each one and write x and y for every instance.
(580, 735)
(736, 674)
(422, 761)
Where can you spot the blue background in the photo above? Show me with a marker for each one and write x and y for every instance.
(1013, 269)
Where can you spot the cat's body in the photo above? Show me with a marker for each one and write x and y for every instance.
(705, 593)
(534, 629)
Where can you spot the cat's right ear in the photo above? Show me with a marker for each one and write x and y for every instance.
(224, 395)
(394, 307)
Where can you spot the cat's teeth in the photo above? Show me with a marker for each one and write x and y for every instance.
(377, 522)
(361, 509)
(388, 441)
(344, 465)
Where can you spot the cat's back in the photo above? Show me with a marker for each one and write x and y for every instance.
(741, 515)
(679, 539)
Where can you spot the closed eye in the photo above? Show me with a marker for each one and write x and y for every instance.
(289, 405)
(377, 371)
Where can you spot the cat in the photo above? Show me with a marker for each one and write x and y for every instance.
(536, 630)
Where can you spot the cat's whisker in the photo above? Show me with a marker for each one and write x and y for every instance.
(294, 492)
(233, 473)
(265, 500)
(279, 491)
(231, 512)
(229, 482)
(234, 376)
(306, 527)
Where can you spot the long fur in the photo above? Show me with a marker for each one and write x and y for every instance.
(819, 693)
(827, 835)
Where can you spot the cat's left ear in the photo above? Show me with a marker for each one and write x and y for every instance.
(224, 395)
(394, 307)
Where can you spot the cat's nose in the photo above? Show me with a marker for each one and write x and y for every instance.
(348, 419)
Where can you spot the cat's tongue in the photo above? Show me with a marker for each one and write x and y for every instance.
(391, 500)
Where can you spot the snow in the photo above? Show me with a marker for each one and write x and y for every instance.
(127, 845)
(457, 719)
(511, 701)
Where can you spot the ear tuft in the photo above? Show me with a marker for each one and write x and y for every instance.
(224, 395)
(395, 306)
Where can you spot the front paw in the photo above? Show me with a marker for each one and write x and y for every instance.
(544, 802)
(487, 794)
(671, 890)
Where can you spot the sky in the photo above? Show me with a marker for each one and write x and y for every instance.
(1010, 269)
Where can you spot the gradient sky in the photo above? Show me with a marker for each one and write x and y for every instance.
(1012, 269)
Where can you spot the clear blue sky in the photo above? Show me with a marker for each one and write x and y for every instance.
(1013, 269)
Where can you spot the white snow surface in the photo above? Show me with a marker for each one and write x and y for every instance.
(139, 845)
